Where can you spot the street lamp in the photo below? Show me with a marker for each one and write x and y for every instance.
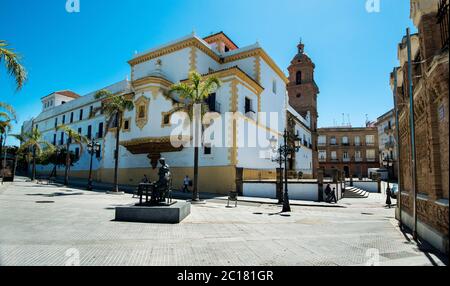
(92, 147)
(284, 152)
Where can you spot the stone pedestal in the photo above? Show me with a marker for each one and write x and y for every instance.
(154, 214)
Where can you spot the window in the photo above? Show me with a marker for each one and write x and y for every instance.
(62, 139)
(211, 102)
(322, 156)
(37, 127)
(89, 133)
(370, 140)
(81, 114)
(79, 130)
(64, 119)
(71, 117)
(357, 141)
(126, 125)
(100, 130)
(274, 86)
(166, 119)
(298, 77)
(322, 140)
(333, 140)
(77, 153)
(248, 105)
(333, 155)
(345, 140)
(207, 150)
(370, 155)
(56, 122)
(91, 110)
(345, 156)
(63, 102)
(54, 139)
(358, 156)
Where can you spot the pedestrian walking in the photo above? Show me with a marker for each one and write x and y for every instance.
(186, 182)
(327, 193)
(333, 196)
(388, 197)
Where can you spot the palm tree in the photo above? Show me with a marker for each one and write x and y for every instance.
(73, 137)
(6, 118)
(196, 91)
(114, 107)
(13, 65)
(33, 140)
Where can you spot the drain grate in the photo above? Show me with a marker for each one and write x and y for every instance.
(45, 202)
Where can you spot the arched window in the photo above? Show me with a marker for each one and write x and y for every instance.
(298, 77)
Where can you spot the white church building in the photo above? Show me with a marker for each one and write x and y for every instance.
(253, 88)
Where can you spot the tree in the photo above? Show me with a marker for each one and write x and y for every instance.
(13, 65)
(196, 91)
(73, 137)
(114, 107)
(7, 116)
(33, 141)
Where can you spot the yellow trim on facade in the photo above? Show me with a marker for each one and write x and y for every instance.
(233, 151)
(192, 42)
(193, 59)
(151, 80)
(257, 69)
(234, 71)
(263, 55)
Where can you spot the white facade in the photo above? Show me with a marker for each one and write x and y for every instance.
(251, 81)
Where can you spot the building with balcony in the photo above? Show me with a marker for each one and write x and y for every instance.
(387, 134)
(253, 89)
(424, 183)
(348, 149)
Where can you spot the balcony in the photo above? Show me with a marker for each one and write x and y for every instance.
(370, 144)
(334, 160)
(322, 160)
(345, 144)
(346, 160)
(358, 159)
(371, 160)
(389, 145)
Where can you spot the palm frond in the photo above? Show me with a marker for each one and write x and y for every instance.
(13, 65)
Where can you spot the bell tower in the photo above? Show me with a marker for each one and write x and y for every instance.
(302, 92)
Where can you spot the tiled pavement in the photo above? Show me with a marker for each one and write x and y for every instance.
(51, 225)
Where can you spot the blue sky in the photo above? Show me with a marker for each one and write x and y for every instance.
(354, 51)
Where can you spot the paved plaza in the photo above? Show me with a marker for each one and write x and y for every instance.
(53, 225)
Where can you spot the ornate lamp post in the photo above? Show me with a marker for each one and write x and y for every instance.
(92, 147)
(285, 151)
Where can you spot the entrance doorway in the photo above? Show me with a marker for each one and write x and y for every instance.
(347, 171)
